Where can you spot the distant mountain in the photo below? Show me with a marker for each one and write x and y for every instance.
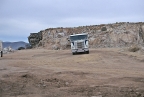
(14, 45)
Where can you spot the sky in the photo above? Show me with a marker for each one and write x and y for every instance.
(19, 18)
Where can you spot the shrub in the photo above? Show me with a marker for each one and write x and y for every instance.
(103, 28)
(134, 48)
(21, 48)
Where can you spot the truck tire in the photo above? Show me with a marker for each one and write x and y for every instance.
(87, 52)
(73, 53)
(1, 53)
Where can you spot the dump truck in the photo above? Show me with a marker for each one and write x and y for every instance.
(79, 43)
(1, 49)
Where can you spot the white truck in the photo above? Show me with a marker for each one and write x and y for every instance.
(79, 43)
(1, 49)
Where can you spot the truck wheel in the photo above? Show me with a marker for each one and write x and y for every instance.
(87, 52)
(73, 53)
(1, 53)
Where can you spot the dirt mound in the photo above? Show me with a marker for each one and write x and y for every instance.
(14, 85)
(27, 84)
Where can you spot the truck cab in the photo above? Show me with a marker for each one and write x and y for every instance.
(79, 43)
(1, 49)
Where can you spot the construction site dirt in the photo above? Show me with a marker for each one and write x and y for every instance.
(57, 73)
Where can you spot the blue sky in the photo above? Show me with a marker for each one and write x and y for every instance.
(19, 18)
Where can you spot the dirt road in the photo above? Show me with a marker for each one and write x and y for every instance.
(50, 73)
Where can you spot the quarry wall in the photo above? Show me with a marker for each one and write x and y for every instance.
(121, 34)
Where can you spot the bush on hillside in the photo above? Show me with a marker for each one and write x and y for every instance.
(134, 48)
(104, 29)
(21, 48)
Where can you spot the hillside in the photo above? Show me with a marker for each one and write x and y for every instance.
(14, 45)
(121, 34)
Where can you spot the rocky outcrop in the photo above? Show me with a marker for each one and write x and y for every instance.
(35, 38)
(105, 35)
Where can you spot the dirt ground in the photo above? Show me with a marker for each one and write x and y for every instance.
(58, 73)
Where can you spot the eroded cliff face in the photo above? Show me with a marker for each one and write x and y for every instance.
(105, 35)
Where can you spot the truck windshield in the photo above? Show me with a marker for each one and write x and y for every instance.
(78, 37)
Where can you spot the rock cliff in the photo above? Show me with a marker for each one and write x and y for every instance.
(123, 34)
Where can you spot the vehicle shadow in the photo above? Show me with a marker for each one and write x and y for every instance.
(80, 53)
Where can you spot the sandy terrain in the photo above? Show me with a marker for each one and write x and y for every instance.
(50, 73)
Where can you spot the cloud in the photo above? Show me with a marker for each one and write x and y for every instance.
(19, 18)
